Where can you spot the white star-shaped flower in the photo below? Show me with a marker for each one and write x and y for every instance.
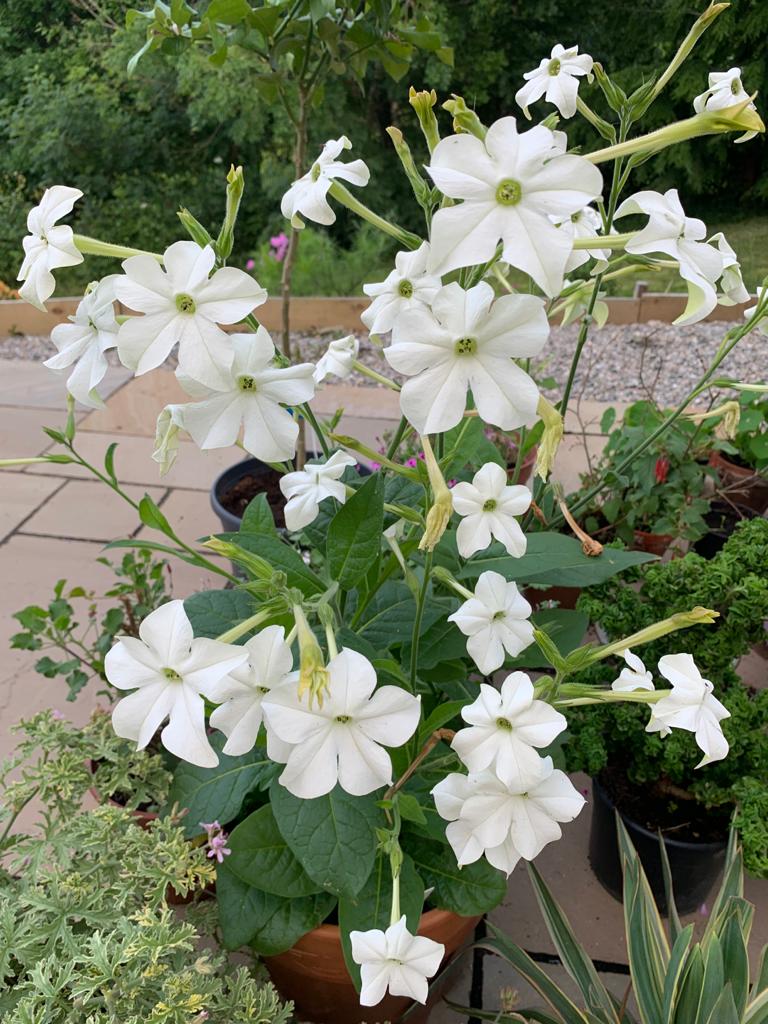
(307, 196)
(505, 822)
(338, 359)
(171, 672)
(468, 341)
(505, 729)
(182, 305)
(762, 326)
(409, 286)
(557, 79)
(586, 223)
(83, 341)
(669, 231)
(307, 487)
(495, 620)
(252, 394)
(488, 507)
(511, 186)
(395, 961)
(48, 245)
(343, 739)
(725, 90)
(690, 705)
(239, 715)
(634, 676)
(732, 289)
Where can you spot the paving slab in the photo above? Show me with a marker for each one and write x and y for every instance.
(575, 454)
(27, 383)
(21, 496)
(135, 407)
(21, 431)
(88, 510)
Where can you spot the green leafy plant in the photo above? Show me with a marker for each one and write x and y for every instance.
(662, 491)
(613, 738)
(73, 629)
(749, 444)
(674, 980)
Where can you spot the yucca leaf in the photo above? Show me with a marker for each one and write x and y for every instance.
(687, 1008)
(714, 979)
(575, 960)
(760, 984)
(731, 885)
(675, 970)
(757, 1009)
(522, 1015)
(724, 1011)
(674, 919)
(733, 943)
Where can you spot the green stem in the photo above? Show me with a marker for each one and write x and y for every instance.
(402, 427)
(374, 375)
(229, 636)
(95, 247)
(319, 432)
(416, 632)
(345, 197)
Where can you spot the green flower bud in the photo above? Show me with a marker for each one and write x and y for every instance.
(235, 187)
(464, 119)
(423, 103)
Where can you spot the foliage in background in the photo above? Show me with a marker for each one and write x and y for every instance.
(734, 583)
(749, 445)
(81, 646)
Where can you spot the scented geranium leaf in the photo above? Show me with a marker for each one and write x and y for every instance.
(469, 890)
(552, 559)
(262, 858)
(217, 794)
(372, 906)
(269, 924)
(212, 612)
(333, 836)
(354, 536)
(258, 518)
(279, 555)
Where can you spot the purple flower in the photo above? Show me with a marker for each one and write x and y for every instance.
(250, 264)
(279, 245)
(217, 840)
(57, 716)
(411, 463)
(375, 465)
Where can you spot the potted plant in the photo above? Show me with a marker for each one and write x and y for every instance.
(653, 782)
(741, 461)
(88, 932)
(339, 711)
(662, 497)
(670, 984)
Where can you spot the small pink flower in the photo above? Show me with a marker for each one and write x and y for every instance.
(217, 840)
(250, 264)
(411, 463)
(279, 245)
(57, 716)
(375, 465)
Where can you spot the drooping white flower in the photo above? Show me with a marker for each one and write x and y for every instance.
(732, 289)
(725, 89)
(557, 79)
(338, 359)
(183, 305)
(690, 705)
(307, 487)
(505, 729)
(409, 286)
(307, 196)
(169, 423)
(468, 341)
(488, 507)
(251, 394)
(48, 245)
(669, 231)
(343, 739)
(505, 822)
(511, 185)
(762, 326)
(585, 223)
(395, 961)
(495, 620)
(171, 671)
(83, 341)
(239, 715)
(634, 676)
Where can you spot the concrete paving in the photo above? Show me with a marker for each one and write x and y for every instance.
(54, 522)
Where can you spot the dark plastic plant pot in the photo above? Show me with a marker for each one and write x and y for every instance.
(744, 485)
(695, 867)
(230, 523)
(721, 519)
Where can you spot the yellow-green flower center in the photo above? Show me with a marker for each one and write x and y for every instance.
(504, 723)
(315, 172)
(499, 615)
(171, 675)
(509, 192)
(246, 383)
(553, 68)
(342, 719)
(466, 346)
(405, 288)
(185, 303)
(736, 86)
(489, 505)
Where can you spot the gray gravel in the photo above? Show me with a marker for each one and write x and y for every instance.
(620, 363)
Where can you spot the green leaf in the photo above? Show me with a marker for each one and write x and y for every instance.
(443, 641)
(552, 559)
(280, 556)
(109, 461)
(212, 612)
(372, 905)
(216, 794)
(228, 12)
(262, 858)
(333, 836)
(724, 1011)
(441, 715)
(270, 924)
(469, 890)
(575, 960)
(564, 626)
(410, 808)
(354, 536)
(152, 517)
(733, 946)
(675, 970)
(258, 518)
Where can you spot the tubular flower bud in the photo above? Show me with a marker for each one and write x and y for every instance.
(313, 675)
(442, 501)
(554, 428)
(423, 103)
(464, 119)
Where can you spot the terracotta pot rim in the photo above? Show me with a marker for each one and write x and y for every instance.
(431, 916)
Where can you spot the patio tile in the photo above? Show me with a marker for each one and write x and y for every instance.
(89, 511)
(573, 458)
(21, 431)
(22, 495)
(136, 406)
(193, 469)
(29, 384)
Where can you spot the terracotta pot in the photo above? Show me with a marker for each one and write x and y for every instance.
(314, 976)
(652, 543)
(527, 467)
(566, 597)
(743, 484)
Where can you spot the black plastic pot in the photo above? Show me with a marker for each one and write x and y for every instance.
(230, 523)
(721, 520)
(695, 867)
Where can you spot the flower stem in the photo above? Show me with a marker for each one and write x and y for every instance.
(416, 632)
(95, 247)
(373, 375)
(229, 636)
(345, 197)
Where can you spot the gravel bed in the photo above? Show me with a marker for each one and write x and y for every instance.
(620, 362)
